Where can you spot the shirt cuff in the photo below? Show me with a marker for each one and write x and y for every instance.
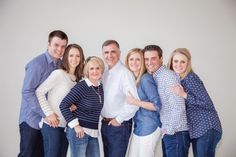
(73, 123)
(48, 113)
(119, 120)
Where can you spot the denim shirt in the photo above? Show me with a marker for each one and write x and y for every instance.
(36, 71)
(146, 121)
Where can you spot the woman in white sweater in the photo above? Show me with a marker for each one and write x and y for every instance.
(50, 94)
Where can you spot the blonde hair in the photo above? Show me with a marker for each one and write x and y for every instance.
(184, 52)
(95, 60)
(142, 70)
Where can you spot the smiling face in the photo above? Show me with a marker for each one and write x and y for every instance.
(134, 63)
(152, 61)
(56, 47)
(179, 63)
(73, 58)
(94, 72)
(111, 54)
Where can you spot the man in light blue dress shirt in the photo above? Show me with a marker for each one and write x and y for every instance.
(173, 114)
(36, 71)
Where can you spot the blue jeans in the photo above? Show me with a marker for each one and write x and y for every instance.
(31, 142)
(82, 147)
(115, 139)
(205, 145)
(54, 141)
(176, 145)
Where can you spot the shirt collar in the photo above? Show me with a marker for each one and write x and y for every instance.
(113, 69)
(50, 61)
(89, 83)
(160, 69)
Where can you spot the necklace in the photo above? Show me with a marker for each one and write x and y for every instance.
(72, 77)
(97, 92)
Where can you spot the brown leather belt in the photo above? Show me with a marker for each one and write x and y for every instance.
(107, 119)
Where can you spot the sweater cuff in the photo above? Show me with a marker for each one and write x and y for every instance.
(73, 123)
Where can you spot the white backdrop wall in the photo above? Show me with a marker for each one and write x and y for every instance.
(206, 28)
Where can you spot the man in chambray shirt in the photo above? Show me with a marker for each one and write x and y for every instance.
(36, 71)
(175, 142)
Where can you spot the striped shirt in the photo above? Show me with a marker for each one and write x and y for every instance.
(173, 113)
(89, 106)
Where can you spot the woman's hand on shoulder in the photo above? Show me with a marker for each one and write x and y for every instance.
(178, 90)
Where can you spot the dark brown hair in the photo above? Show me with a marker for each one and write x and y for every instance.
(153, 48)
(57, 33)
(65, 65)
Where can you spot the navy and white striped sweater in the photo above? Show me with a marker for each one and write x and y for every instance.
(87, 102)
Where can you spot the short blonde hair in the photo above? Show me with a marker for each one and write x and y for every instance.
(93, 59)
(184, 52)
(143, 69)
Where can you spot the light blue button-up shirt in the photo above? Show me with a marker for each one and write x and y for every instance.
(146, 121)
(36, 71)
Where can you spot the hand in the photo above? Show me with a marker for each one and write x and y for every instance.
(79, 131)
(179, 91)
(114, 122)
(52, 120)
(73, 108)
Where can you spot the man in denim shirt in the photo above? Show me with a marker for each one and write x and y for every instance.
(36, 71)
(173, 113)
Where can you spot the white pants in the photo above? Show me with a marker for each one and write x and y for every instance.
(144, 146)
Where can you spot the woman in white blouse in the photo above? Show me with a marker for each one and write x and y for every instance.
(50, 94)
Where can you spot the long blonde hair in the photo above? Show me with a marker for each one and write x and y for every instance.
(142, 70)
(184, 52)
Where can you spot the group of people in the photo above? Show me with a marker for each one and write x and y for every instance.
(64, 95)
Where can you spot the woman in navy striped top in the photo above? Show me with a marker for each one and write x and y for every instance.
(87, 95)
(203, 122)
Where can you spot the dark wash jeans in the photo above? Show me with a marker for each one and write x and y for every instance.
(176, 145)
(205, 145)
(31, 142)
(54, 141)
(115, 138)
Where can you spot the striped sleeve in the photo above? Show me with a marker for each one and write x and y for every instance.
(71, 98)
(52, 80)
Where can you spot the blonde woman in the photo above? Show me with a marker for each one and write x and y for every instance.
(135, 63)
(203, 122)
(147, 123)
